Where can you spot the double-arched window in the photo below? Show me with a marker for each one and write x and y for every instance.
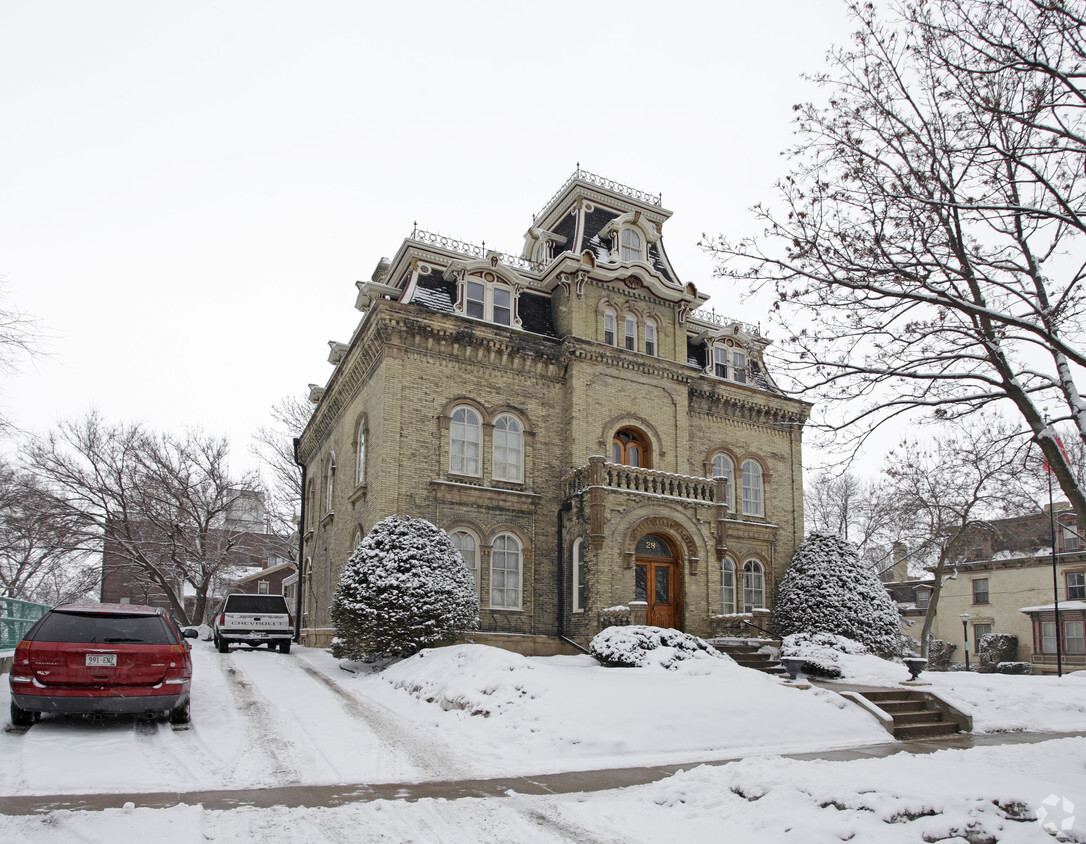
(465, 442)
(630, 447)
(753, 585)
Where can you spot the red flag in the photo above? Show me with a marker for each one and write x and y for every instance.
(1063, 451)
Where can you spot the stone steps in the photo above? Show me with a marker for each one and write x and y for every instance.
(915, 716)
(750, 656)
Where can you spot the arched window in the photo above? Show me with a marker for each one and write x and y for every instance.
(468, 547)
(578, 576)
(752, 489)
(360, 454)
(609, 328)
(724, 468)
(630, 245)
(650, 338)
(508, 449)
(465, 442)
(505, 569)
(753, 585)
(357, 539)
(311, 506)
(330, 483)
(630, 447)
(631, 334)
(727, 586)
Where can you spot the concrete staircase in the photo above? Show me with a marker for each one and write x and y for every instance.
(750, 656)
(915, 715)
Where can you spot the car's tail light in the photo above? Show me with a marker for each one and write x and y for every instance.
(290, 618)
(20, 664)
(222, 620)
(180, 666)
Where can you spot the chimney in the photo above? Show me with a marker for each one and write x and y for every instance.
(899, 554)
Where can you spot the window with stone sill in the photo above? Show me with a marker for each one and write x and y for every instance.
(753, 489)
(465, 442)
(979, 632)
(650, 338)
(505, 573)
(723, 467)
(727, 586)
(1076, 585)
(578, 576)
(980, 590)
(923, 599)
(468, 547)
(508, 448)
(753, 585)
(631, 334)
(609, 328)
(488, 298)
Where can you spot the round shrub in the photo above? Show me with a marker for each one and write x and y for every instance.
(637, 646)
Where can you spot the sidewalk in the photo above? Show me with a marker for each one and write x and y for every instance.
(292, 796)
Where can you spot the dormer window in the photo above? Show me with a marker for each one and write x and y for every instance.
(489, 298)
(630, 245)
(730, 363)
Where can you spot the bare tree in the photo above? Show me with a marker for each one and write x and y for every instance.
(160, 504)
(945, 488)
(273, 446)
(858, 510)
(41, 558)
(933, 220)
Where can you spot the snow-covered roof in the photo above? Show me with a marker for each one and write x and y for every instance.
(1064, 605)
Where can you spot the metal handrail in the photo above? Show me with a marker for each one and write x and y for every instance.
(16, 617)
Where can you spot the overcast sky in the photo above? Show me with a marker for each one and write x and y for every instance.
(188, 191)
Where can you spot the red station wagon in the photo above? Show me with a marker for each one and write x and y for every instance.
(94, 659)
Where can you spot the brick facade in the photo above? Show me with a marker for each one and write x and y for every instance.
(419, 365)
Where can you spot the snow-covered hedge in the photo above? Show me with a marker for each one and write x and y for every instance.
(819, 651)
(940, 654)
(637, 646)
(828, 589)
(1014, 668)
(995, 648)
(405, 587)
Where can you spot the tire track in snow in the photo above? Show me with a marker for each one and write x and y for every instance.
(393, 730)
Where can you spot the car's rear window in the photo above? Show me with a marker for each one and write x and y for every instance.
(92, 628)
(256, 604)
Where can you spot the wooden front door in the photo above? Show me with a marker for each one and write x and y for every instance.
(657, 582)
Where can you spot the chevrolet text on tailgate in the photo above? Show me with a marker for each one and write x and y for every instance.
(253, 620)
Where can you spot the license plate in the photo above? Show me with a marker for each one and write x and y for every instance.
(99, 660)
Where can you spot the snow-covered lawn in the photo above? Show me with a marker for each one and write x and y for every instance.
(264, 719)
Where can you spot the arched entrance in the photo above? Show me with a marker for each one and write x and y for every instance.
(658, 581)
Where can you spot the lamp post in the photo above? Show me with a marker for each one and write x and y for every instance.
(965, 634)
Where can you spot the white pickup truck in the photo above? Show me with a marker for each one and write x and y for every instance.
(253, 620)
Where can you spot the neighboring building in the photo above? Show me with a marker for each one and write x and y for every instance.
(562, 415)
(253, 551)
(269, 580)
(1002, 579)
(912, 595)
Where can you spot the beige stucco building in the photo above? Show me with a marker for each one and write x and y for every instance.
(598, 445)
(1005, 567)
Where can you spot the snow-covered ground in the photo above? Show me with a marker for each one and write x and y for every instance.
(263, 719)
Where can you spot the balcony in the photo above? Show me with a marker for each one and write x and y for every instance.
(601, 474)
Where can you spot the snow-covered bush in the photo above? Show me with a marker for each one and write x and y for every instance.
(995, 648)
(828, 589)
(1014, 668)
(940, 654)
(405, 587)
(637, 646)
(819, 651)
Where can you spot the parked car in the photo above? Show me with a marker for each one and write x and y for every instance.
(102, 659)
(254, 620)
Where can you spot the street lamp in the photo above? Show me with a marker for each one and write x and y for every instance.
(965, 634)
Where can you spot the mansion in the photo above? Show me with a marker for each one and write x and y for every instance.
(599, 447)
